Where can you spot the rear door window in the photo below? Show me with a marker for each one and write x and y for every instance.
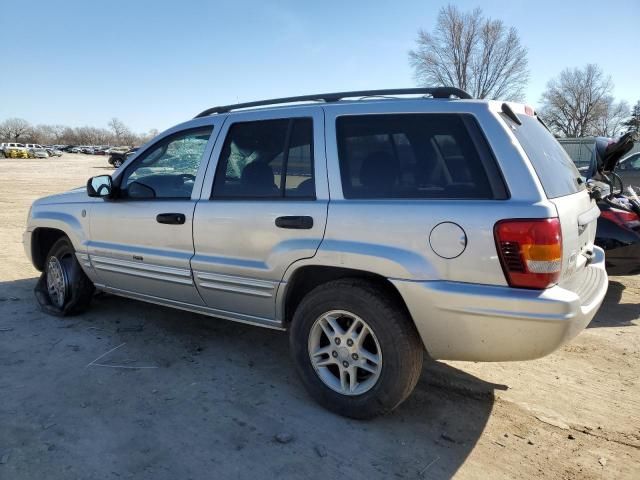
(414, 156)
(555, 169)
(267, 159)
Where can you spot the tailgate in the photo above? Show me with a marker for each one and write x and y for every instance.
(578, 215)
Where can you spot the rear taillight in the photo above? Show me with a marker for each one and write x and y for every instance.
(621, 217)
(530, 251)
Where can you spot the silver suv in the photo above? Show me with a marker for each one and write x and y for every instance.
(371, 229)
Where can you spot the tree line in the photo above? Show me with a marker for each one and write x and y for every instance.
(117, 133)
(486, 58)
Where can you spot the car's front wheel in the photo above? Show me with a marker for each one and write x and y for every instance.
(117, 163)
(355, 348)
(63, 288)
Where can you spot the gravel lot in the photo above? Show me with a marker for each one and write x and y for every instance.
(222, 399)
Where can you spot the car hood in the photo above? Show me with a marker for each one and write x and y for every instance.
(72, 196)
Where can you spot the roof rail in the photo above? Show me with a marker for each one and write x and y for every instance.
(436, 92)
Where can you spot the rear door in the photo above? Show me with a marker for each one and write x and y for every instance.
(263, 206)
(564, 187)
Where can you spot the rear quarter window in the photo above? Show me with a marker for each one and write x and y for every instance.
(415, 156)
(555, 169)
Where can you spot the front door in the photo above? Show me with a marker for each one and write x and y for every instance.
(141, 242)
(265, 209)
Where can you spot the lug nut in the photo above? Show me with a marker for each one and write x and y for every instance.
(337, 341)
(334, 354)
(354, 356)
(350, 342)
(345, 364)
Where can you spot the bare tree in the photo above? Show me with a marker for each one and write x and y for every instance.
(120, 130)
(93, 135)
(58, 132)
(41, 134)
(633, 123)
(574, 102)
(145, 137)
(611, 117)
(14, 128)
(472, 52)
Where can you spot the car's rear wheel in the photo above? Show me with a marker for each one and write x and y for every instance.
(63, 288)
(117, 163)
(355, 348)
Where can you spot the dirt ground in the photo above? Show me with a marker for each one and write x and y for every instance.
(220, 393)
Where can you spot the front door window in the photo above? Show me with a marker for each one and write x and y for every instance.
(168, 169)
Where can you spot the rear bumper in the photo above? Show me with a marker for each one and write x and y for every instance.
(459, 321)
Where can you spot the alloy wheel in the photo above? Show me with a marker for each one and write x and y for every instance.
(57, 282)
(345, 352)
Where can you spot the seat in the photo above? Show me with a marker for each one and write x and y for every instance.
(379, 173)
(257, 180)
(305, 189)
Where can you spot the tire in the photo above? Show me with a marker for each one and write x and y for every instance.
(69, 296)
(393, 341)
(117, 163)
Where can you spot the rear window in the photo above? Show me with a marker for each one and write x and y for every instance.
(411, 156)
(556, 171)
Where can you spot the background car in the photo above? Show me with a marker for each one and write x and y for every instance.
(118, 157)
(38, 152)
(54, 152)
(15, 150)
(102, 150)
(35, 150)
(618, 231)
(629, 170)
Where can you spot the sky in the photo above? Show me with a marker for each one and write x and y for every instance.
(153, 64)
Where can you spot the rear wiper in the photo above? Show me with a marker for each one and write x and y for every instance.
(506, 109)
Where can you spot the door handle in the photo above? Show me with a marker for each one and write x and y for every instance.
(171, 218)
(295, 222)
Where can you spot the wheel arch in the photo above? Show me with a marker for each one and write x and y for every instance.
(307, 277)
(42, 239)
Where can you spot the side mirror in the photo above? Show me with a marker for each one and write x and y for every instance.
(100, 186)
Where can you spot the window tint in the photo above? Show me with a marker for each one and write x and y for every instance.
(556, 171)
(168, 169)
(410, 156)
(267, 159)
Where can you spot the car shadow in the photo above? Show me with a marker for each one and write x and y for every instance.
(613, 312)
(184, 395)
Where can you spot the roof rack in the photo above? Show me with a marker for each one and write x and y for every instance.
(436, 92)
